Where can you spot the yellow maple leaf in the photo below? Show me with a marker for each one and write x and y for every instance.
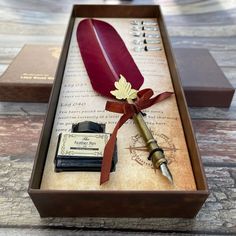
(124, 90)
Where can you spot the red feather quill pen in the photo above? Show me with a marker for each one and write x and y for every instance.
(106, 57)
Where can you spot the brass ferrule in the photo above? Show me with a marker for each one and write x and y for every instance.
(157, 162)
(150, 141)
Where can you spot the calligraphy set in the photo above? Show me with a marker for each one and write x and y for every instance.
(117, 140)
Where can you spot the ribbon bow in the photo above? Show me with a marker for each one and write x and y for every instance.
(143, 101)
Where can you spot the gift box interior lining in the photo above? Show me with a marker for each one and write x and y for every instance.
(133, 171)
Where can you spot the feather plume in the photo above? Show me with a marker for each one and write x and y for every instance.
(106, 57)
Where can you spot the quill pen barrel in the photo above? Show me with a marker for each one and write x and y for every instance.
(156, 153)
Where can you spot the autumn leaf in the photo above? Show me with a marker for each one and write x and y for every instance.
(124, 90)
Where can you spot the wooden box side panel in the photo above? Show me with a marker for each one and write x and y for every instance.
(24, 93)
(117, 204)
(209, 98)
(115, 11)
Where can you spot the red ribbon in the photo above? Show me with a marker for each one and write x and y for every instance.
(143, 101)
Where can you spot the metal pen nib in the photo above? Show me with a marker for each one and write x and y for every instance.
(166, 172)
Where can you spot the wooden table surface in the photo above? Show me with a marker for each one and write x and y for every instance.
(193, 24)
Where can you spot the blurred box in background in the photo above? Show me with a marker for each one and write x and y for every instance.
(29, 78)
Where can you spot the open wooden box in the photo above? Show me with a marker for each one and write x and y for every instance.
(120, 202)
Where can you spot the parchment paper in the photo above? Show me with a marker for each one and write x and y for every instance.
(78, 102)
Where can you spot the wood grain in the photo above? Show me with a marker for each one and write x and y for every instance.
(19, 136)
(191, 23)
(216, 140)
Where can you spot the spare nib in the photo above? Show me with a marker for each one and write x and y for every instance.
(166, 172)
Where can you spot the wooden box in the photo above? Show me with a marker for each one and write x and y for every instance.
(118, 202)
(204, 83)
(30, 76)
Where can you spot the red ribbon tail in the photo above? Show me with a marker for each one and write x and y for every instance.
(109, 150)
(107, 158)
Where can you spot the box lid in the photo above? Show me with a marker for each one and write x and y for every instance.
(203, 81)
(30, 76)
